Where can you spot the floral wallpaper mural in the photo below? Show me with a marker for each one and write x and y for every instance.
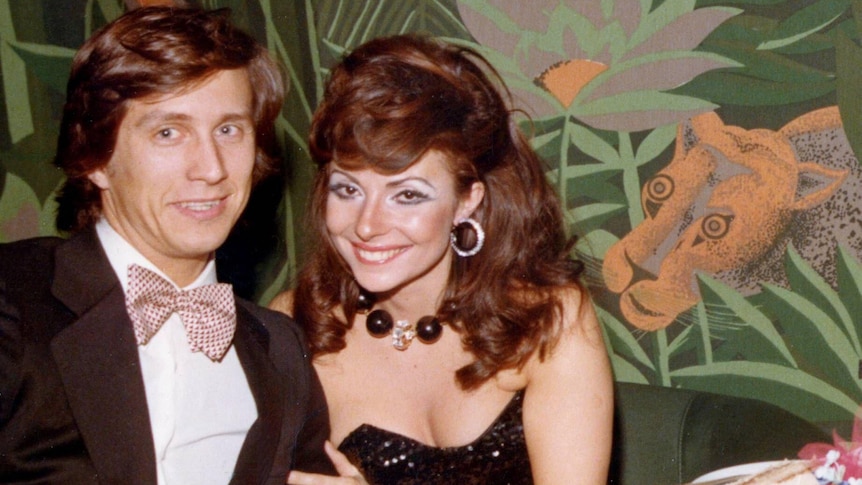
(707, 152)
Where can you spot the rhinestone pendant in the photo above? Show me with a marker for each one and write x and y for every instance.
(402, 334)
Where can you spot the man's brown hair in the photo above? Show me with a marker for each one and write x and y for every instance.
(147, 52)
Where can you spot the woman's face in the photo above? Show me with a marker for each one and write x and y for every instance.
(393, 230)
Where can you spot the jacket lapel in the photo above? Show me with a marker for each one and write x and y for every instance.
(269, 390)
(98, 361)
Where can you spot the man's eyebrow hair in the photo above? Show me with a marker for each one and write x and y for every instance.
(238, 116)
(159, 116)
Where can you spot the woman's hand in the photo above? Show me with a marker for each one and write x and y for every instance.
(347, 473)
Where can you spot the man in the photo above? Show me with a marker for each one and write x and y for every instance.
(121, 360)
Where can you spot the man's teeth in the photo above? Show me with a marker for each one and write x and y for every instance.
(378, 256)
(199, 206)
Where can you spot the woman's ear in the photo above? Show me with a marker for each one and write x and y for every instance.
(471, 201)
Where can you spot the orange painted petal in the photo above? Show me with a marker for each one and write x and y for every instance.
(566, 79)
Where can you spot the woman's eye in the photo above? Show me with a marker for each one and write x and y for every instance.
(343, 191)
(411, 196)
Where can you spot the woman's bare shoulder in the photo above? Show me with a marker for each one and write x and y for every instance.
(574, 306)
(283, 302)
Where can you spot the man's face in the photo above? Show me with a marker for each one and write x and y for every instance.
(181, 170)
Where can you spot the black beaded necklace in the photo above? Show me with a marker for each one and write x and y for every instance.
(379, 324)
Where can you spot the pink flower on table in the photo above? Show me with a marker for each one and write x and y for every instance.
(839, 461)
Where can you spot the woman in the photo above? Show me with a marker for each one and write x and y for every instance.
(434, 222)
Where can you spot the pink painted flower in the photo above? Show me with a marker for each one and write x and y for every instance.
(609, 64)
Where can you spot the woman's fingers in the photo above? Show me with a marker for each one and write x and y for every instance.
(342, 464)
(348, 474)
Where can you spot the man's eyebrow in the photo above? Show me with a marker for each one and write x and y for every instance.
(237, 117)
(160, 116)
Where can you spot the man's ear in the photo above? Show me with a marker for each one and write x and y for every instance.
(471, 201)
(99, 178)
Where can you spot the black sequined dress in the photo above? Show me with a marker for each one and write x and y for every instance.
(497, 457)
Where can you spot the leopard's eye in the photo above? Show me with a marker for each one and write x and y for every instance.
(716, 226)
(660, 188)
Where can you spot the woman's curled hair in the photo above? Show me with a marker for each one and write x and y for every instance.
(386, 105)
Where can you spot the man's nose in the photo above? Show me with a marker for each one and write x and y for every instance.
(207, 161)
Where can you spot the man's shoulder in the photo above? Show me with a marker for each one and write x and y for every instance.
(33, 253)
(264, 314)
(280, 328)
(280, 335)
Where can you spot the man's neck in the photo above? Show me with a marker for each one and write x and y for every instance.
(121, 253)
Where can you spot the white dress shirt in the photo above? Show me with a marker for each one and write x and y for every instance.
(200, 410)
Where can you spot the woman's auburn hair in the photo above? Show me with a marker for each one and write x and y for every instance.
(387, 104)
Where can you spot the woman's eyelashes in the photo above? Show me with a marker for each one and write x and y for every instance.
(404, 196)
(411, 197)
(343, 190)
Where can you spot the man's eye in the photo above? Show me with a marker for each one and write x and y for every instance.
(166, 133)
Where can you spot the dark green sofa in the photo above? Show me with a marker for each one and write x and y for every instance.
(665, 436)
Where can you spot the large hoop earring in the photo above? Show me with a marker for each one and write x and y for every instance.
(461, 227)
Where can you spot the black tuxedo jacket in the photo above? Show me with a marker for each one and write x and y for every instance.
(72, 402)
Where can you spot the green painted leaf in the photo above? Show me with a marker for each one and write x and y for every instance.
(596, 243)
(655, 143)
(804, 22)
(566, 20)
(111, 9)
(657, 19)
(857, 14)
(739, 89)
(729, 310)
(14, 77)
(682, 342)
(625, 372)
(597, 186)
(750, 31)
(48, 216)
(622, 340)
(50, 63)
(19, 210)
(593, 145)
(849, 272)
(792, 389)
(849, 89)
(593, 215)
(771, 66)
(706, 3)
(642, 101)
(808, 283)
(818, 343)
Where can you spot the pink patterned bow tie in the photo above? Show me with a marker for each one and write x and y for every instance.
(208, 312)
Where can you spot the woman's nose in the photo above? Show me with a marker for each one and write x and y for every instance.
(372, 220)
